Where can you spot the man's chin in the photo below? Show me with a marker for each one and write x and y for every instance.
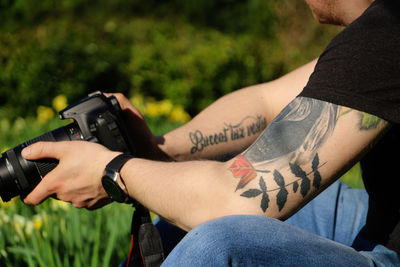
(328, 20)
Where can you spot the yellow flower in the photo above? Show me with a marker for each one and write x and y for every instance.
(165, 106)
(44, 114)
(60, 102)
(37, 222)
(137, 101)
(179, 115)
(153, 109)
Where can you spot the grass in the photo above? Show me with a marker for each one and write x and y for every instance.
(56, 234)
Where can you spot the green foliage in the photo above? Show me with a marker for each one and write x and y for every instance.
(56, 234)
(52, 60)
(194, 67)
(189, 52)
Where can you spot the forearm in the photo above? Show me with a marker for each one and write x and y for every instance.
(233, 122)
(225, 128)
(181, 192)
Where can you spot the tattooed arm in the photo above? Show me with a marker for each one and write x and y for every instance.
(309, 145)
(233, 122)
(225, 128)
(303, 150)
(306, 148)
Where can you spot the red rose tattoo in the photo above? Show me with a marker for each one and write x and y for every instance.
(242, 169)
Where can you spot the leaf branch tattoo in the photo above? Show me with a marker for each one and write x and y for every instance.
(290, 142)
(281, 197)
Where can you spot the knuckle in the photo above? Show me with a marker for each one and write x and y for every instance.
(78, 205)
(39, 148)
(118, 95)
(54, 188)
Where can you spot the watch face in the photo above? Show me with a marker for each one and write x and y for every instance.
(112, 188)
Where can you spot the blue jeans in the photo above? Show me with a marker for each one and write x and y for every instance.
(323, 233)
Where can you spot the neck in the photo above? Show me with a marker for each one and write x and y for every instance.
(352, 10)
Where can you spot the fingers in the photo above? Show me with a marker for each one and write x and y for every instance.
(76, 178)
(125, 104)
(42, 150)
(50, 186)
(41, 192)
(122, 100)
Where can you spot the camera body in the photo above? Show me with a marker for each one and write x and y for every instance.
(96, 118)
(99, 120)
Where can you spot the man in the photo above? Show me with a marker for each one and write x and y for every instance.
(350, 102)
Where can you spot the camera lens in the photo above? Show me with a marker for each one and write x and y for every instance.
(19, 176)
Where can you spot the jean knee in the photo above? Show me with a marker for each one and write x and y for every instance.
(225, 232)
(222, 241)
(211, 235)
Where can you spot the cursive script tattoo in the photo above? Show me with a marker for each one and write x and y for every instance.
(249, 126)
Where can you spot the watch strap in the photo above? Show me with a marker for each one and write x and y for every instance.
(115, 166)
(118, 162)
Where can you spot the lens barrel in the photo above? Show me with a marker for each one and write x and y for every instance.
(19, 176)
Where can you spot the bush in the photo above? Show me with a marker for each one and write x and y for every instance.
(190, 66)
(190, 52)
(194, 67)
(51, 60)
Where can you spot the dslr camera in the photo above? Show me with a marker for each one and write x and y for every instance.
(95, 118)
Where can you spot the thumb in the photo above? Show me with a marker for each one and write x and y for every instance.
(41, 150)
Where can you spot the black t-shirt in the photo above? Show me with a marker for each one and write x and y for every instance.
(360, 69)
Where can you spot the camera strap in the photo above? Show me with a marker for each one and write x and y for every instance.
(146, 245)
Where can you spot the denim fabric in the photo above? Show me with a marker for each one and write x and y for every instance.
(320, 234)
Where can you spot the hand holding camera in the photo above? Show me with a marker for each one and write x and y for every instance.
(74, 181)
(97, 119)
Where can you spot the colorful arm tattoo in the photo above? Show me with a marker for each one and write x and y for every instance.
(291, 142)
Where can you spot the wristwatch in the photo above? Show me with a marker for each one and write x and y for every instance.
(111, 176)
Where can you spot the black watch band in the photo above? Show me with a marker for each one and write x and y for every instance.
(111, 176)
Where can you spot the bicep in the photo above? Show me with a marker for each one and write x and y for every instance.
(279, 93)
(307, 147)
(233, 122)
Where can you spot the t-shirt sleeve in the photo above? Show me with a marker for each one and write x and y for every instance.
(360, 68)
